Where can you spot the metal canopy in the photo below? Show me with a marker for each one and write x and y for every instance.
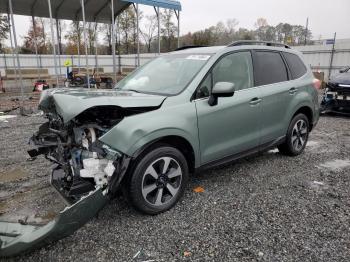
(168, 4)
(95, 10)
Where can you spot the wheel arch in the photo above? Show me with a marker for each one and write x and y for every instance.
(178, 142)
(307, 111)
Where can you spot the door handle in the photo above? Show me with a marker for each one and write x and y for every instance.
(293, 90)
(255, 101)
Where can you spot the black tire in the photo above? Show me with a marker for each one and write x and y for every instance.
(294, 136)
(140, 180)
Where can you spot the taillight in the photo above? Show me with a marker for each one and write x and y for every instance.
(316, 83)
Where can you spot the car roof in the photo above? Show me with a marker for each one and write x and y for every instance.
(200, 50)
(216, 49)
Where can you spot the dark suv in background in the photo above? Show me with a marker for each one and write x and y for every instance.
(337, 94)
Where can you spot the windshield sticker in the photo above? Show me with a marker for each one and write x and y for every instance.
(198, 57)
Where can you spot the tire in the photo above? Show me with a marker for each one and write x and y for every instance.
(150, 189)
(297, 136)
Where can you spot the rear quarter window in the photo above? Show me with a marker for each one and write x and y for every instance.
(269, 68)
(296, 66)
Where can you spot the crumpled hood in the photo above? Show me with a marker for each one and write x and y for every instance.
(69, 102)
(343, 78)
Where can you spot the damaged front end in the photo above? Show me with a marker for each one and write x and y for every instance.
(82, 162)
(336, 98)
(86, 172)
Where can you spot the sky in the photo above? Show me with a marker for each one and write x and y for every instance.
(325, 17)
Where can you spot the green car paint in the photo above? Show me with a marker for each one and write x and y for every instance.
(16, 238)
(250, 118)
(71, 102)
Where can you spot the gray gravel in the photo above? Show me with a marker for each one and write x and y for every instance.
(262, 208)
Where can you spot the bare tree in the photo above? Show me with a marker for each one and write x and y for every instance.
(73, 36)
(127, 21)
(36, 33)
(148, 31)
(106, 30)
(169, 29)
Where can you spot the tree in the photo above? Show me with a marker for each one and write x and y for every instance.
(126, 22)
(36, 33)
(261, 22)
(73, 38)
(245, 34)
(168, 30)
(4, 29)
(106, 30)
(92, 30)
(149, 30)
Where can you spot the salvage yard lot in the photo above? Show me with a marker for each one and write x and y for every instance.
(265, 207)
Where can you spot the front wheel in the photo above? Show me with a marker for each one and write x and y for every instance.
(297, 136)
(159, 180)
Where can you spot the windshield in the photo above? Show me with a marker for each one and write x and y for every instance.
(166, 75)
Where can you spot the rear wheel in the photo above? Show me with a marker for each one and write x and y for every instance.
(297, 136)
(158, 180)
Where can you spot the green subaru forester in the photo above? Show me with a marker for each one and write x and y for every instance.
(181, 112)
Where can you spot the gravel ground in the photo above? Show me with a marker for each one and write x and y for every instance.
(262, 208)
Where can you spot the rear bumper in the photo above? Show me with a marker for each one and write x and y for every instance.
(16, 238)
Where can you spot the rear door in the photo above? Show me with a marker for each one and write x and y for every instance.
(271, 75)
(231, 126)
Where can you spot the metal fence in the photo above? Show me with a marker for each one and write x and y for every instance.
(317, 56)
(47, 62)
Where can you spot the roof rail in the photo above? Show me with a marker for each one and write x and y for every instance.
(188, 47)
(254, 42)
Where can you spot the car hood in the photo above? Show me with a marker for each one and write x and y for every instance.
(69, 103)
(343, 78)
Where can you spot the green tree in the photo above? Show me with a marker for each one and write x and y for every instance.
(4, 29)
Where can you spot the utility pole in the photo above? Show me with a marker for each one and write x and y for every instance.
(332, 56)
(306, 30)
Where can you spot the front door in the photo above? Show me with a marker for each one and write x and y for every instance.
(231, 126)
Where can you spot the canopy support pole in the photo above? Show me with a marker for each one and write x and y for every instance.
(36, 47)
(17, 56)
(113, 42)
(12, 50)
(118, 43)
(138, 34)
(96, 52)
(58, 46)
(78, 46)
(85, 43)
(177, 13)
(158, 20)
(53, 42)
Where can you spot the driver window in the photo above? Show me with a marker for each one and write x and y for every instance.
(235, 68)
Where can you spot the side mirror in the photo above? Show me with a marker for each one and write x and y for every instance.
(221, 89)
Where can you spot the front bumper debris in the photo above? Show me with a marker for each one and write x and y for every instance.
(16, 238)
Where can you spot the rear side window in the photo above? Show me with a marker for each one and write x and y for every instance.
(269, 68)
(296, 66)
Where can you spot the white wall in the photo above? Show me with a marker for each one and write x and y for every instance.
(319, 56)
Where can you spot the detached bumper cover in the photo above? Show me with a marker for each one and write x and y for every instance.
(16, 238)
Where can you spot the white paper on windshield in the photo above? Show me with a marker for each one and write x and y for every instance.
(198, 57)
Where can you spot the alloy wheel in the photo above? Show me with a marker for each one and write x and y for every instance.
(161, 181)
(299, 135)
